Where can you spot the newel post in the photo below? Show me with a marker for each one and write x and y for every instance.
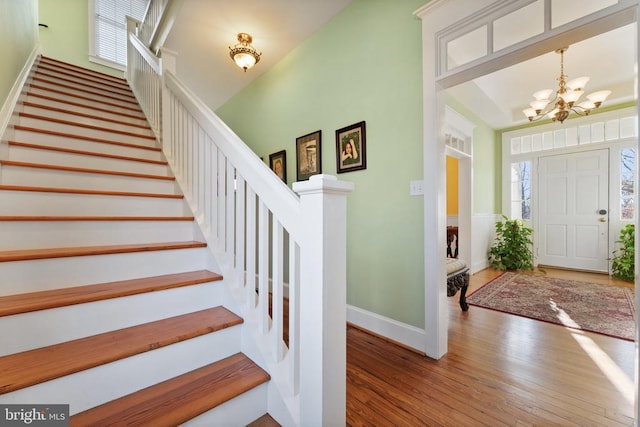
(323, 300)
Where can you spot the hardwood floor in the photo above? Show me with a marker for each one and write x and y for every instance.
(500, 370)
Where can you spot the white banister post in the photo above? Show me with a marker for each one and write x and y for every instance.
(168, 63)
(132, 27)
(323, 300)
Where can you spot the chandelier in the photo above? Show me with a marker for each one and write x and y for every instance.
(243, 54)
(564, 102)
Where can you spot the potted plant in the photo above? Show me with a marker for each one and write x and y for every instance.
(512, 247)
(623, 265)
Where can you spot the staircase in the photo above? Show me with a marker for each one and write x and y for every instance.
(109, 297)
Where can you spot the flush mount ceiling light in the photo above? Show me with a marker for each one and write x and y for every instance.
(559, 108)
(243, 54)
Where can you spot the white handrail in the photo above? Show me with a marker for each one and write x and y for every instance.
(247, 214)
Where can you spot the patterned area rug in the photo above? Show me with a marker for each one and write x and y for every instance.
(592, 307)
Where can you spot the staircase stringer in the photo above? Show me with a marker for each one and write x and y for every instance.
(7, 111)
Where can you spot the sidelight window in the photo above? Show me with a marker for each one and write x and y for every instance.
(627, 183)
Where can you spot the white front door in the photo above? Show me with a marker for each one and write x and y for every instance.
(573, 210)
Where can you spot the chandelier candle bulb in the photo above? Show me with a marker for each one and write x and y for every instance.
(564, 102)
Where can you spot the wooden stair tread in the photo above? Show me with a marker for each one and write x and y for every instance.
(40, 71)
(86, 138)
(46, 253)
(84, 125)
(54, 361)
(127, 99)
(77, 68)
(87, 191)
(77, 104)
(179, 399)
(98, 80)
(85, 115)
(85, 170)
(264, 421)
(43, 300)
(86, 153)
(85, 98)
(93, 218)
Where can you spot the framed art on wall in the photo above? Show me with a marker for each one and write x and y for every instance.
(308, 155)
(278, 164)
(351, 150)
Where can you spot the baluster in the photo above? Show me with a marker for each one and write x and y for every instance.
(239, 228)
(251, 248)
(213, 189)
(294, 316)
(263, 267)
(222, 161)
(230, 201)
(206, 184)
(277, 285)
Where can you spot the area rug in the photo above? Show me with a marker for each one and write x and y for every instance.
(607, 310)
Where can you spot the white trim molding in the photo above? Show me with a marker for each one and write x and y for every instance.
(402, 333)
(14, 94)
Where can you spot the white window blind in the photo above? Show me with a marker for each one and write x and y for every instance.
(110, 28)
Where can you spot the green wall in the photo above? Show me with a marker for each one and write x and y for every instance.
(365, 64)
(18, 38)
(67, 37)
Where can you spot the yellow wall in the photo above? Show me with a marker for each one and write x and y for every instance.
(452, 186)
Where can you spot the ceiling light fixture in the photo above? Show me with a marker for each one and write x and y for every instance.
(559, 108)
(243, 54)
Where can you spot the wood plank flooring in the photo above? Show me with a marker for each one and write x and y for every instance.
(500, 370)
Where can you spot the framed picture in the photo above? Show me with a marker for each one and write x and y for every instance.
(308, 157)
(351, 148)
(278, 164)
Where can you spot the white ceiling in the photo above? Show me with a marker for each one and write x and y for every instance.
(204, 30)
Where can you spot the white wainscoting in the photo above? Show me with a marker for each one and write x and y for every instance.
(483, 226)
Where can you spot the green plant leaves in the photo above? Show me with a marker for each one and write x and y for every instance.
(511, 249)
(623, 265)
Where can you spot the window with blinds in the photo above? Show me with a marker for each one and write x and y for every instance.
(108, 20)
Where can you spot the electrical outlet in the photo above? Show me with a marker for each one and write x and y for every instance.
(416, 188)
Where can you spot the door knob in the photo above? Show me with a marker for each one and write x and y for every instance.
(602, 211)
(602, 219)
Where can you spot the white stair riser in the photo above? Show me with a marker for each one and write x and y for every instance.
(36, 155)
(82, 84)
(84, 75)
(86, 145)
(85, 100)
(240, 411)
(86, 120)
(78, 130)
(98, 95)
(24, 331)
(36, 203)
(14, 175)
(86, 109)
(86, 389)
(18, 235)
(44, 274)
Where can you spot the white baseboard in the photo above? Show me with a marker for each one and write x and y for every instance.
(399, 332)
(14, 94)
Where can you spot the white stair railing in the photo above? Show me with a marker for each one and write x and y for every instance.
(276, 249)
